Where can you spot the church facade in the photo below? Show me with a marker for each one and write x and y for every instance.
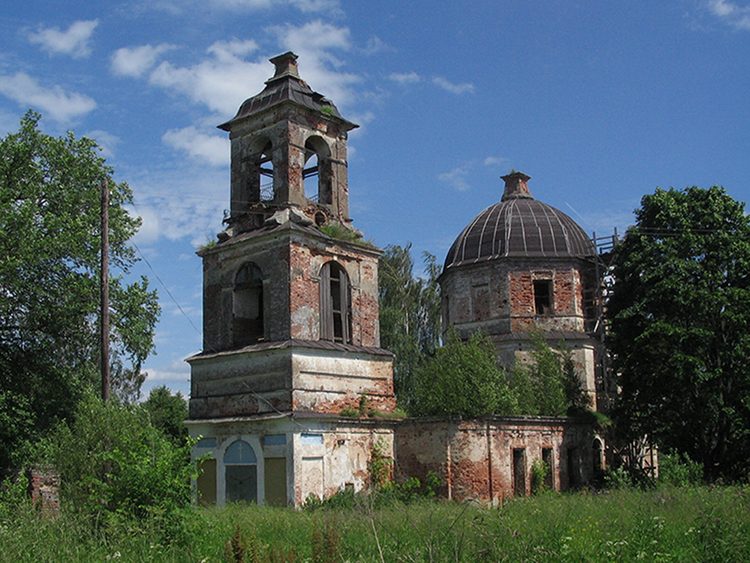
(291, 354)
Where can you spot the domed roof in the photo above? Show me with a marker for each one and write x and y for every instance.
(519, 227)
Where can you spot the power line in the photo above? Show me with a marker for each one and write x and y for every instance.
(150, 267)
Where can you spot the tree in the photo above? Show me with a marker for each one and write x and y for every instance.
(49, 294)
(410, 317)
(168, 413)
(114, 463)
(548, 384)
(679, 317)
(463, 378)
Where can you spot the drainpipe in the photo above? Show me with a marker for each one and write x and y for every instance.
(489, 462)
(448, 468)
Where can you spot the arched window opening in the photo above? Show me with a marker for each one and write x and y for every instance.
(316, 175)
(265, 170)
(247, 325)
(335, 304)
(596, 455)
(241, 472)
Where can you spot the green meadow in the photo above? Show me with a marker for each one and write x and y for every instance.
(666, 524)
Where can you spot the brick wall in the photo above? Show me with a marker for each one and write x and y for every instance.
(474, 458)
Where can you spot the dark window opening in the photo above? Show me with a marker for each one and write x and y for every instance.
(543, 297)
(597, 457)
(548, 462)
(519, 472)
(574, 478)
(265, 170)
(247, 325)
(335, 304)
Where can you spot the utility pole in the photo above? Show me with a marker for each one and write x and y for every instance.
(104, 281)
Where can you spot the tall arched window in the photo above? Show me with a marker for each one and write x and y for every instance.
(241, 472)
(316, 175)
(335, 304)
(247, 305)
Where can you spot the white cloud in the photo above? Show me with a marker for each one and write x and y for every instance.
(456, 178)
(74, 41)
(494, 161)
(53, 101)
(228, 50)
(376, 45)
(330, 7)
(309, 6)
(250, 5)
(439, 81)
(213, 149)
(195, 215)
(134, 61)
(731, 13)
(106, 141)
(404, 77)
(225, 78)
(221, 82)
(168, 375)
(453, 87)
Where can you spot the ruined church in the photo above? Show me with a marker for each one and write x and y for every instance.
(291, 343)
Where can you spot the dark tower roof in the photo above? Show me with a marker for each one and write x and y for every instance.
(286, 86)
(519, 227)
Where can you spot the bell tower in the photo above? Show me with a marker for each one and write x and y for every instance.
(288, 148)
(291, 342)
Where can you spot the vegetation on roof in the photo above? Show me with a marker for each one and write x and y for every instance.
(340, 232)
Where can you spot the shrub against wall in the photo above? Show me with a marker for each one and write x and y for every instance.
(113, 461)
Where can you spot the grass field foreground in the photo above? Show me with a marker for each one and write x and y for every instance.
(668, 524)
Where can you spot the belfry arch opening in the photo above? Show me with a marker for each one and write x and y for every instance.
(335, 304)
(316, 174)
(247, 305)
(265, 173)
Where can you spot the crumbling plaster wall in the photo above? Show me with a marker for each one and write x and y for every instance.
(341, 460)
(497, 297)
(257, 380)
(327, 383)
(323, 456)
(307, 256)
(290, 263)
(240, 383)
(474, 458)
(270, 252)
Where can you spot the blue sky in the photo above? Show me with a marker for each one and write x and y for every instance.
(600, 102)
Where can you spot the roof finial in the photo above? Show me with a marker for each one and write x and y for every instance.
(516, 186)
(286, 65)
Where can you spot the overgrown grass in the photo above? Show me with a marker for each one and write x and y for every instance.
(670, 524)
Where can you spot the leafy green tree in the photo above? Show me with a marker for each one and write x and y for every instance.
(410, 317)
(679, 317)
(168, 413)
(463, 378)
(115, 464)
(548, 384)
(49, 294)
